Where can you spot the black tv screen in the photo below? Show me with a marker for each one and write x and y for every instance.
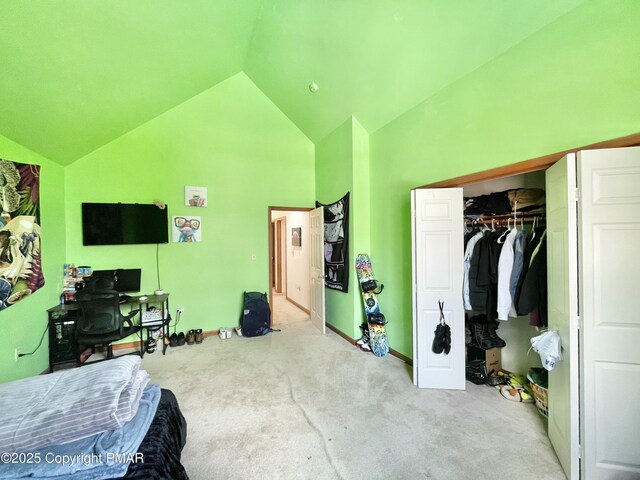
(123, 224)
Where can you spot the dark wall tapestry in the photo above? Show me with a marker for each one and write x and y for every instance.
(336, 244)
(20, 261)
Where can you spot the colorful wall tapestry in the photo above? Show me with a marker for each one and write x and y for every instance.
(20, 261)
(336, 244)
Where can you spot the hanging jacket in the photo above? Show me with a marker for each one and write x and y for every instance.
(467, 267)
(518, 263)
(505, 266)
(531, 245)
(533, 295)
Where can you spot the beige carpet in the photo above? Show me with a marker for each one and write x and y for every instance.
(298, 405)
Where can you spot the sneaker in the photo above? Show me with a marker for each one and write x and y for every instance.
(199, 336)
(239, 331)
(191, 337)
(364, 340)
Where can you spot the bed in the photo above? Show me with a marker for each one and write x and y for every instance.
(100, 421)
(162, 444)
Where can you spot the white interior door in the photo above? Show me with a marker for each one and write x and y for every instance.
(437, 241)
(609, 239)
(562, 274)
(316, 234)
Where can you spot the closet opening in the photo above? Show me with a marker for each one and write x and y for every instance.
(499, 310)
(590, 218)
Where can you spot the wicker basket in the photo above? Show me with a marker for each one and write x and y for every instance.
(540, 395)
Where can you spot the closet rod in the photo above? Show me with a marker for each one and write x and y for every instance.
(526, 217)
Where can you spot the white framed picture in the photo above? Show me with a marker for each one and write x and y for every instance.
(186, 229)
(195, 196)
(296, 236)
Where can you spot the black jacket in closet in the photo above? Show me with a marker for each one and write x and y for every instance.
(534, 288)
(531, 244)
(483, 274)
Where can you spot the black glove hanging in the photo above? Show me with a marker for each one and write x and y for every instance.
(442, 338)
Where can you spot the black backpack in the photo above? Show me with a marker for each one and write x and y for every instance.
(256, 315)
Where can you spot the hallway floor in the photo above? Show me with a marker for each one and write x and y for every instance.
(285, 312)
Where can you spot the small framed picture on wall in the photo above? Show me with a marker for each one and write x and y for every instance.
(195, 196)
(187, 229)
(296, 236)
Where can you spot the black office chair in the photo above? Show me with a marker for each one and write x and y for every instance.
(100, 321)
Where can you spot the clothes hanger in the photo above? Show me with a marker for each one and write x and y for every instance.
(503, 237)
(533, 228)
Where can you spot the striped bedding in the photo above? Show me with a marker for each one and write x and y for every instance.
(69, 405)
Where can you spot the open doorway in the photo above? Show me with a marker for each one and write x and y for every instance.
(289, 264)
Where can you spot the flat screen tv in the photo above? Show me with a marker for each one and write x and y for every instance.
(123, 224)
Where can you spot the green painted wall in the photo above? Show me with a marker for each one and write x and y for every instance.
(231, 139)
(23, 324)
(342, 165)
(573, 83)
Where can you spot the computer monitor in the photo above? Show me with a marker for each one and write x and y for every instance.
(124, 279)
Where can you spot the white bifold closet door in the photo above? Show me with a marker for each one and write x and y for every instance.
(609, 253)
(562, 275)
(593, 231)
(438, 241)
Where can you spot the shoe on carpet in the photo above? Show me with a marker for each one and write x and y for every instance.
(191, 337)
(173, 340)
(198, 336)
(181, 339)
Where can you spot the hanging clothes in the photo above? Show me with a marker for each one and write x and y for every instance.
(505, 266)
(483, 275)
(533, 239)
(477, 291)
(471, 243)
(533, 296)
(516, 272)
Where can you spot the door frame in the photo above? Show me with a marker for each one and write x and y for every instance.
(270, 209)
(280, 263)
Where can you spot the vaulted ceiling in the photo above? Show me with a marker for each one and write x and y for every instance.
(76, 74)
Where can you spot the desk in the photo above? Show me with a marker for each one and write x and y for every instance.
(63, 348)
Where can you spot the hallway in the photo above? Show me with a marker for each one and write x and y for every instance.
(285, 312)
